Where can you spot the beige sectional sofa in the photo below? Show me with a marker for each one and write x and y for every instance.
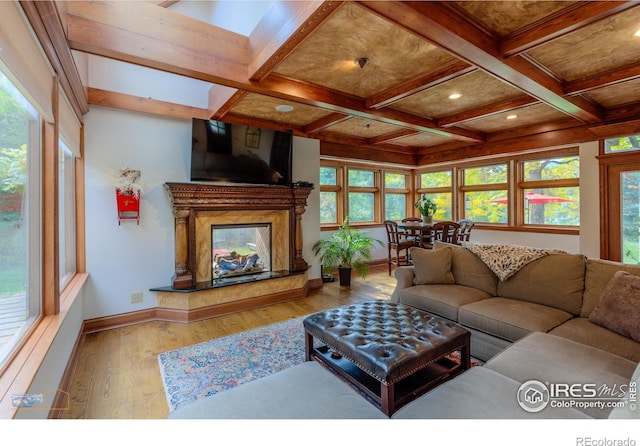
(309, 391)
(534, 329)
(554, 294)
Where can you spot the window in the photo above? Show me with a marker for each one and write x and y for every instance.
(396, 195)
(19, 216)
(622, 144)
(549, 191)
(66, 214)
(362, 195)
(484, 192)
(330, 192)
(439, 187)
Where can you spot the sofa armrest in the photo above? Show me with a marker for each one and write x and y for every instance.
(404, 276)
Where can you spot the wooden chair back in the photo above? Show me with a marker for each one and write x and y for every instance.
(446, 231)
(396, 244)
(464, 233)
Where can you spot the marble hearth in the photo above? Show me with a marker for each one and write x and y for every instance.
(193, 294)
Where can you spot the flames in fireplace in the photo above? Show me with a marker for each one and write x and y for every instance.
(240, 249)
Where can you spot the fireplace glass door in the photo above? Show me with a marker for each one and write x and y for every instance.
(240, 249)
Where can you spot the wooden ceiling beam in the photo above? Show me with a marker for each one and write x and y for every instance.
(144, 34)
(274, 39)
(222, 99)
(391, 136)
(487, 110)
(326, 122)
(564, 22)
(627, 73)
(443, 26)
(124, 101)
(431, 79)
(338, 150)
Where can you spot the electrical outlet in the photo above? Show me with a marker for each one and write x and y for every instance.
(136, 298)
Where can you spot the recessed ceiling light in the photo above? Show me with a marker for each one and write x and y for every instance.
(512, 116)
(284, 108)
(423, 137)
(637, 33)
(455, 96)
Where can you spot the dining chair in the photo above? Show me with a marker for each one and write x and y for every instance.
(464, 232)
(396, 243)
(412, 233)
(446, 231)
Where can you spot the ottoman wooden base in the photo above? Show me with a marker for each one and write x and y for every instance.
(390, 352)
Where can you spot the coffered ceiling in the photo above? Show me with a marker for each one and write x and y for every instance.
(527, 73)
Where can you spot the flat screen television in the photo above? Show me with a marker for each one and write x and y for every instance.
(223, 152)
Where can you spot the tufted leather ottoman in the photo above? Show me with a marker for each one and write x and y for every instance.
(391, 352)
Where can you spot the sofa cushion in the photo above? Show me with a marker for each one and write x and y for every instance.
(556, 280)
(441, 300)
(431, 266)
(304, 391)
(619, 306)
(580, 329)
(597, 277)
(479, 393)
(565, 362)
(469, 270)
(510, 319)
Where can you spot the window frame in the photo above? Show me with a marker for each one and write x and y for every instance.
(515, 187)
(406, 191)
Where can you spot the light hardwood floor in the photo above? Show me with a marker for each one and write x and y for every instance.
(118, 377)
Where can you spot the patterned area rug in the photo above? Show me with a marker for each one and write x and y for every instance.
(203, 369)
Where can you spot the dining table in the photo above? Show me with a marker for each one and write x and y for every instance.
(419, 229)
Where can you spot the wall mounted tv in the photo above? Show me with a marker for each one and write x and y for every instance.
(223, 152)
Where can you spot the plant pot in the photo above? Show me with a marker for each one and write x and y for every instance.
(427, 219)
(345, 275)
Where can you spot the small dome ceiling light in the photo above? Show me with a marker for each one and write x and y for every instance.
(284, 108)
(455, 96)
(361, 61)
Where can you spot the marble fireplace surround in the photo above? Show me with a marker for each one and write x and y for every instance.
(198, 206)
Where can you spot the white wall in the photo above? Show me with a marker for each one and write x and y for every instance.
(129, 258)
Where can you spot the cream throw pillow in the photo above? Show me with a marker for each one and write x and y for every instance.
(619, 306)
(432, 266)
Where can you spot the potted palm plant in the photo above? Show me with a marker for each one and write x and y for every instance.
(427, 207)
(346, 250)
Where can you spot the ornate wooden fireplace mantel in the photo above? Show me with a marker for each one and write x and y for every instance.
(191, 199)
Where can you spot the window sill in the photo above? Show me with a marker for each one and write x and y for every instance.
(23, 368)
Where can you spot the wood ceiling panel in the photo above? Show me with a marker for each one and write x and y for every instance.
(327, 57)
(600, 47)
(613, 95)
(477, 89)
(363, 128)
(505, 17)
(264, 107)
(533, 114)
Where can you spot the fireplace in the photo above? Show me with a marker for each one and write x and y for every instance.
(240, 250)
(197, 207)
(207, 213)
